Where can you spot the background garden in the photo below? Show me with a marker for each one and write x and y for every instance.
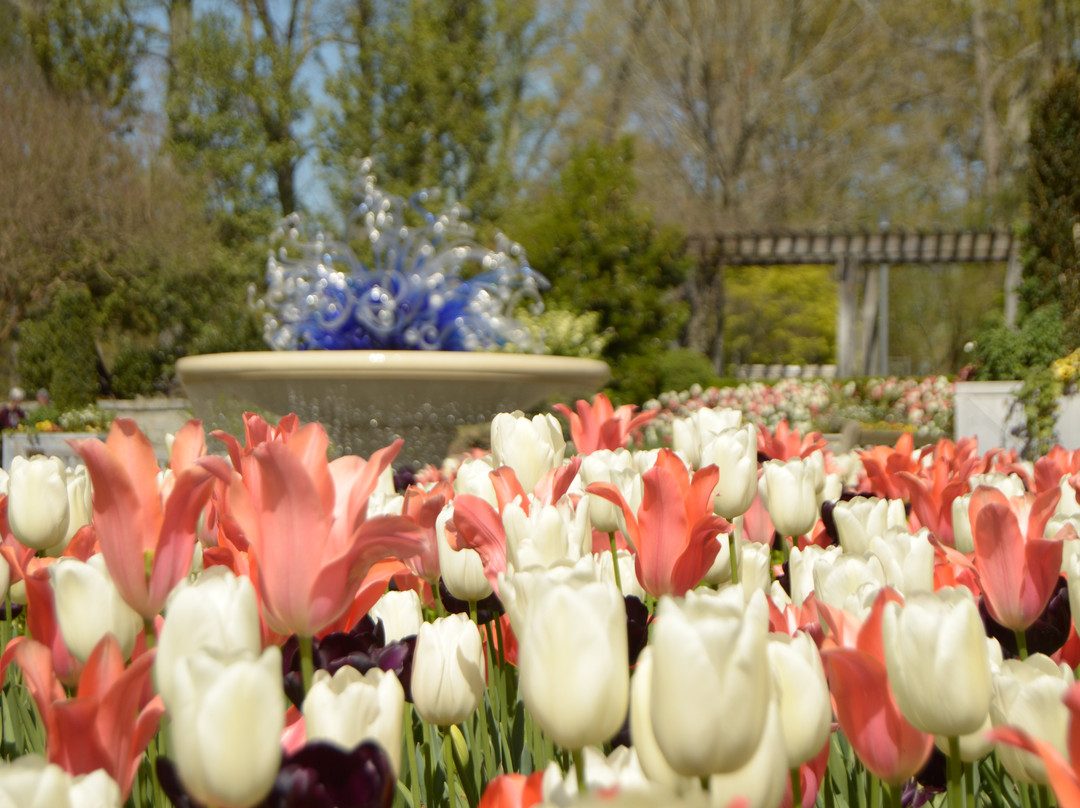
(148, 149)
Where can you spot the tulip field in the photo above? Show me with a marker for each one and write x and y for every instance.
(738, 617)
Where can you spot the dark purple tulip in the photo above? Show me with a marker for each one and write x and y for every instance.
(321, 775)
(637, 627)
(362, 648)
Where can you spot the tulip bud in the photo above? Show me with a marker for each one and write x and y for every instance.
(734, 453)
(218, 613)
(531, 447)
(38, 501)
(448, 670)
(1029, 695)
(789, 494)
(710, 689)
(572, 656)
(349, 708)
(89, 606)
(961, 524)
(227, 718)
(802, 695)
(937, 660)
(462, 570)
(400, 613)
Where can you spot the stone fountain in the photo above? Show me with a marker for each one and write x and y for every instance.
(411, 341)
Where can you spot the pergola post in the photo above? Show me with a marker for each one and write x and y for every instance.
(1013, 272)
(847, 269)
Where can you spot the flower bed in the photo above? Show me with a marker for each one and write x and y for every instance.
(741, 619)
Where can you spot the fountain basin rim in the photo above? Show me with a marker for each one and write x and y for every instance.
(420, 365)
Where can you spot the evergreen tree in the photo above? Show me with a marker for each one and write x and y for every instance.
(1052, 259)
(603, 252)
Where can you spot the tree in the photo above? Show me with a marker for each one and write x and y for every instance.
(780, 314)
(603, 253)
(1052, 259)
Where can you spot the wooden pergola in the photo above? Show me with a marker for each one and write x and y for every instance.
(863, 257)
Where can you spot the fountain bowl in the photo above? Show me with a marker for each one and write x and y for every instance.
(367, 399)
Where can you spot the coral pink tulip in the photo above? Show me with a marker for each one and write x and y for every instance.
(674, 531)
(787, 444)
(886, 742)
(600, 426)
(306, 526)
(513, 791)
(110, 720)
(147, 532)
(1018, 568)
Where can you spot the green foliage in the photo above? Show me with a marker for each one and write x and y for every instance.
(1006, 353)
(139, 370)
(603, 252)
(1052, 257)
(642, 377)
(217, 132)
(57, 350)
(780, 315)
(85, 46)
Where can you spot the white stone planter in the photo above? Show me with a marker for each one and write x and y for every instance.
(365, 399)
(988, 411)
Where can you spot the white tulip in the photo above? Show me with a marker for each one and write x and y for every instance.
(938, 662)
(801, 565)
(448, 670)
(615, 467)
(31, 782)
(861, 519)
(802, 695)
(789, 494)
(961, 524)
(349, 708)
(619, 771)
(474, 477)
(734, 453)
(461, 570)
(227, 719)
(907, 560)
(400, 613)
(218, 613)
(849, 582)
(1029, 695)
(38, 509)
(763, 778)
(89, 606)
(547, 535)
(695, 431)
(531, 447)
(710, 689)
(572, 655)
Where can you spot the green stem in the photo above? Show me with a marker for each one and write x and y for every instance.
(482, 712)
(733, 550)
(796, 782)
(1025, 795)
(448, 761)
(875, 791)
(969, 783)
(410, 750)
(615, 562)
(1021, 644)
(956, 794)
(894, 794)
(151, 636)
(579, 769)
(307, 661)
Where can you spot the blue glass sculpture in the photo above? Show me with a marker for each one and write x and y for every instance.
(429, 286)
